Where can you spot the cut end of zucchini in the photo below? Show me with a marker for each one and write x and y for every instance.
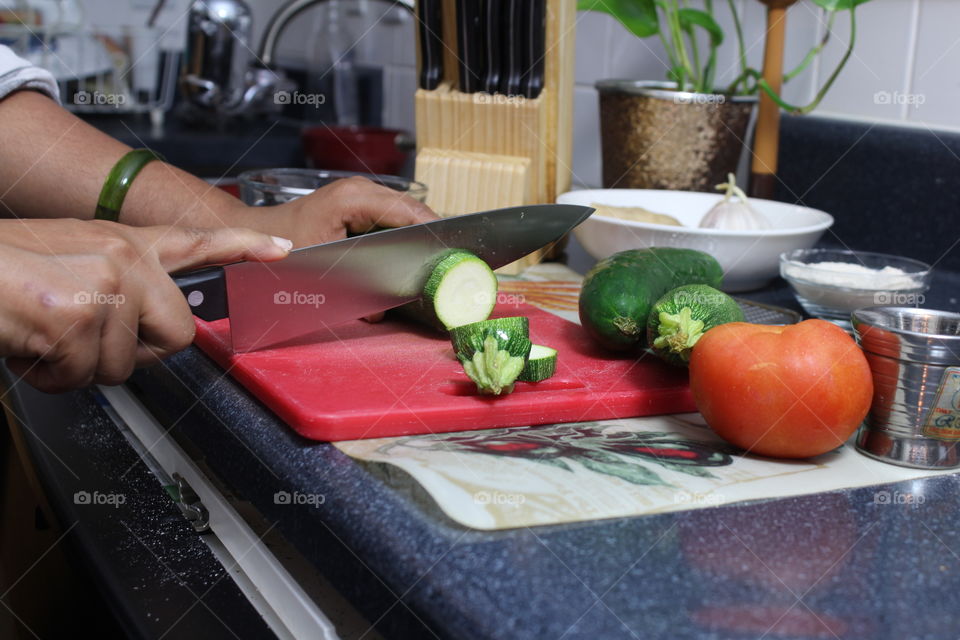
(541, 364)
(463, 292)
(678, 333)
(460, 289)
(493, 369)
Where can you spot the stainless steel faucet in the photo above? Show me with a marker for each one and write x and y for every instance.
(220, 74)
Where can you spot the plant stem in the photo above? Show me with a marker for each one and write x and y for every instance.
(676, 34)
(826, 87)
(814, 51)
(710, 70)
(674, 63)
(698, 81)
(740, 48)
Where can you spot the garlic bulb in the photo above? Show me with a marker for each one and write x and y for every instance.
(733, 215)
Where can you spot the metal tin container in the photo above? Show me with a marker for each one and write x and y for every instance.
(914, 356)
(655, 137)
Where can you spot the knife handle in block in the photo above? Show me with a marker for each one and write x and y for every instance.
(205, 291)
(469, 34)
(534, 49)
(431, 43)
(512, 18)
(491, 28)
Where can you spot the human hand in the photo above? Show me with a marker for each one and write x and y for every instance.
(354, 205)
(86, 301)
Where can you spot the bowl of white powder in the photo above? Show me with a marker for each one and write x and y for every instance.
(832, 283)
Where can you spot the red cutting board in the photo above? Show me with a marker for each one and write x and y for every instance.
(363, 380)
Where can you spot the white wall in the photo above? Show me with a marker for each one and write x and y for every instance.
(907, 52)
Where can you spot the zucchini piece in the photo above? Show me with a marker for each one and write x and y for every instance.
(541, 364)
(512, 335)
(493, 369)
(461, 289)
(493, 352)
(683, 315)
(619, 291)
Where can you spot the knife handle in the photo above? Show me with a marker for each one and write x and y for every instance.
(534, 49)
(512, 18)
(431, 44)
(468, 45)
(492, 28)
(205, 291)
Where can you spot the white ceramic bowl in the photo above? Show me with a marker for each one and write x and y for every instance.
(750, 259)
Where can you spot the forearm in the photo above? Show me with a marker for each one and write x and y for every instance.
(53, 165)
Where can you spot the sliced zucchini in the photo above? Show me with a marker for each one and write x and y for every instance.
(461, 289)
(512, 334)
(493, 352)
(541, 364)
(683, 315)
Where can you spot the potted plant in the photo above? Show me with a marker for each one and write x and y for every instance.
(685, 132)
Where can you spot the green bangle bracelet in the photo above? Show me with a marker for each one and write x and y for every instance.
(119, 180)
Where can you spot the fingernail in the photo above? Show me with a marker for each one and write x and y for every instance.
(283, 243)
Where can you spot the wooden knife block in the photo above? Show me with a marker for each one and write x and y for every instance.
(478, 151)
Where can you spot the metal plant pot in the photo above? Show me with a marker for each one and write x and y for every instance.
(655, 137)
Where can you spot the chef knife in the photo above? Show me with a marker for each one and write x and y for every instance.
(315, 287)
(431, 43)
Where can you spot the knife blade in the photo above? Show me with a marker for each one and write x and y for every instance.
(270, 304)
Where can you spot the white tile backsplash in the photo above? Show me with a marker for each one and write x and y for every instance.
(632, 57)
(400, 83)
(586, 137)
(933, 96)
(593, 34)
(877, 69)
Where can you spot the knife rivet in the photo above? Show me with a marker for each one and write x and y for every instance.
(195, 298)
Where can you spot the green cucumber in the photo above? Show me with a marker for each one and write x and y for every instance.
(683, 315)
(619, 291)
(541, 364)
(460, 289)
(493, 352)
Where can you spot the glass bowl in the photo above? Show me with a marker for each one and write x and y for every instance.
(832, 283)
(266, 187)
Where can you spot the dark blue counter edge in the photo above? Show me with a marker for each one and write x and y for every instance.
(98, 546)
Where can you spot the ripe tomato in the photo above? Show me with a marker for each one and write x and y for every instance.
(788, 392)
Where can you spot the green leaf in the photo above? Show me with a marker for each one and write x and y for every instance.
(632, 473)
(638, 16)
(838, 5)
(554, 462)
(694, 17)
